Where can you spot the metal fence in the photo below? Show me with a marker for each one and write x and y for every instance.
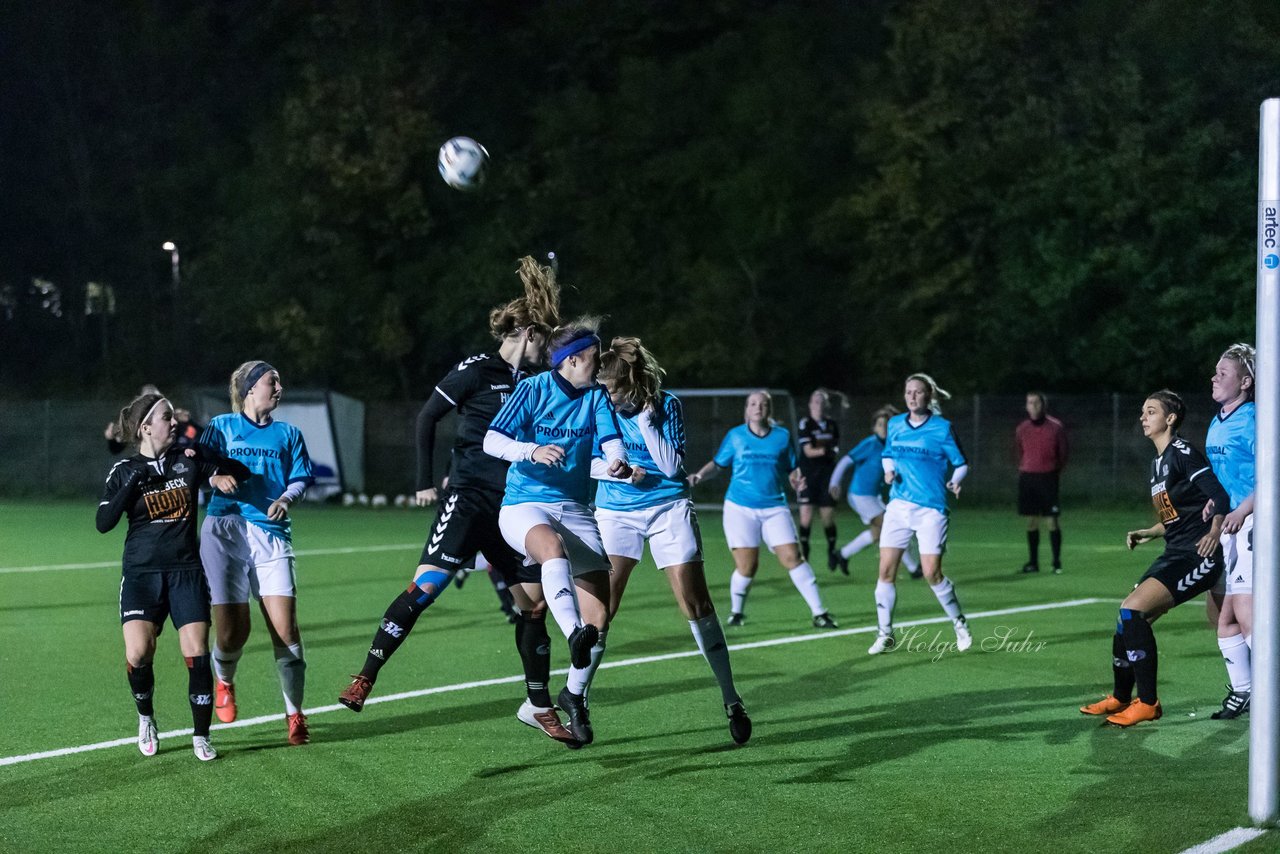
(56, 447)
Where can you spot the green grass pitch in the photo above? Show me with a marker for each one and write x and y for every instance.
(913, 751)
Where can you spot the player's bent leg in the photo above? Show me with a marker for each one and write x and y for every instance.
(282, 622)
(620, 568)
(805, 582)
(886, 597)
(231, 632)
(689, 584)
(593, 597)
(746, 561)
(193, 638)
(139, 651)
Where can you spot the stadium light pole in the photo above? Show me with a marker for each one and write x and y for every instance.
(1263, 712)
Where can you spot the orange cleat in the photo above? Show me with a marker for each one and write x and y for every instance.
(299, 732)
(1137, 712)
(1108, 705)
(224, 701)
(357, 692)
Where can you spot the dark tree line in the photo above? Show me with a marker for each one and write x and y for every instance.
(1005, 194)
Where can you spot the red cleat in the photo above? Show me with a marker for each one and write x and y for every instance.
(299, 732)
(224, 701)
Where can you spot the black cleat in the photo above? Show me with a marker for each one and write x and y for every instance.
(916, 574)
(1030, 568)
(739, 723)
(580, 643)
(833, 560)
(1057, 569)
(1235, 704)
(843, 563)
(579, 723)
(735, 620)
(824, 621)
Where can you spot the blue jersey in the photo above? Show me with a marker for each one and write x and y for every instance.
(923, 455)
(656, 488)
(546, 409)
(760, 466)
(868, 474)
(1230, 446)
(275, 454)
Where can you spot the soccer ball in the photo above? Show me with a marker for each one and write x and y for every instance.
(378, 501)
(462, 161)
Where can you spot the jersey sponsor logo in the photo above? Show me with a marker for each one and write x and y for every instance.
(500, 387)
(168, 504)
(180, 467)
(561, 432)
(270, 453)
(392, 629)
(1165, 510)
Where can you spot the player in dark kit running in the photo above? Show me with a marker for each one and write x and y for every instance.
(162, 575)
(818, 436)
(1181, 483)
(467, 519)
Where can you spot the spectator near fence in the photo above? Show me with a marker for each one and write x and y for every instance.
(1041, 442)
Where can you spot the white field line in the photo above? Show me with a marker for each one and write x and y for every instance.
(506, 680)
(1228, 841)
(54, 567)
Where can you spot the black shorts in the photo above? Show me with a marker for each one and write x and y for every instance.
(815, 492)
(181, 594)
(1186, 574)
(1037, 493)
(466, 523)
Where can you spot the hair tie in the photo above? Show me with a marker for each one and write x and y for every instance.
(581, 341)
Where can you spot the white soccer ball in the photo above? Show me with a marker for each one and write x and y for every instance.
(348, 499)
(379, 501)
(402, 500)
(362, 500)
(462, 161)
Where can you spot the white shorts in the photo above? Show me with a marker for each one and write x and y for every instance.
(903, 518)
(1237, 551)
(242, 560)
(744, 527)
(572, 521)
(671, 529)
(867, 506)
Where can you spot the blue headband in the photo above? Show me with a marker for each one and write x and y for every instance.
(251, 378)
(582, 341)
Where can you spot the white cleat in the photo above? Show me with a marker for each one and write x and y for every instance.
(546, 720)
(883, 643)
(203, 749)
(148, 736)
(964, 639)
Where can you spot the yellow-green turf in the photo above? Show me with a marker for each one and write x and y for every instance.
(913, 751)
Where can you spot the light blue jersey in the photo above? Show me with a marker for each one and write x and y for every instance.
(656, 488)
(868, 474)
(277, 456)
(547, 410)
(760, 466)
(1231, 446)
(924, 456)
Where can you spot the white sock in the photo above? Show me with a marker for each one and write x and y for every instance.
(597, 653)
(562, 596)
(576, 681)
(293, 675)
(886, 597)
(1235, 652)
(911, 558)
(803, 578)
(1249, 640)
(224, 664)
(709, 636)
(738, 585)
(857, 544)
(946, 594)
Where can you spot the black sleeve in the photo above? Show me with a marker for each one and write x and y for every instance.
(211, 463)
(116, 496)
(437, 407)
(1210, 487)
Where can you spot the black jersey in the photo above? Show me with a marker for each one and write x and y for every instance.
(1181, 483)
(477, 387)
(821, 433)
(159, 497)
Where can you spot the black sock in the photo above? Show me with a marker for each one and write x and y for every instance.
(142, 682)
(804, 541)
(1140, 642)
(1033, 547)
(200, 692)
(1121, 670)
(1055, 543)
(396, 624)
(506, 600)
(830, 531)
(534, 646)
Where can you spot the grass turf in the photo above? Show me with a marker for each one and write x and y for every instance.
(912, 751)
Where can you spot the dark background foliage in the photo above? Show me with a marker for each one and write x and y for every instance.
(775, 193)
